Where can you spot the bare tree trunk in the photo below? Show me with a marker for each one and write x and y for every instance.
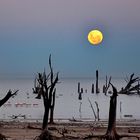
(80, 96)
(111, 133)
(45, 118)
(120, 110)
(51, 115)
(92, 89)
(97, 89)
(52, 108)
(78, 87)
(80, 112)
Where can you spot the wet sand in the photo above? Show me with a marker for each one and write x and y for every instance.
(78, 130)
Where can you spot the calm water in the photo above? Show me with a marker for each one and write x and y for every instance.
(67, 103)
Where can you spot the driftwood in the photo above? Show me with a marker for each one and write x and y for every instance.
(17, 116)
(98, 117)
(134, 130)
(95, 116)
(33, 127)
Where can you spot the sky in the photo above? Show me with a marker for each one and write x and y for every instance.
(31, 30)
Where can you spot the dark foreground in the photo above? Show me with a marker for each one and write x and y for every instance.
(66, 130)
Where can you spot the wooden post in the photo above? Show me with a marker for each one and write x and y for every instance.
(97, 89)
(106, 81)
(80, 96)
(120, 110)
(104, 88)
(138, 88)
(80, 110)
(82, 90)
(92, 90)
(78, 87)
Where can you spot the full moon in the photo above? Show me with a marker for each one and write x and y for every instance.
(95, 37)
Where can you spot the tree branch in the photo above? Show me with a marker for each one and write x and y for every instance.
(7, 97)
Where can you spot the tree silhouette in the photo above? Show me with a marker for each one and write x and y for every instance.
(7, 97)
(3, 101)
(45, 87)
(111, 133)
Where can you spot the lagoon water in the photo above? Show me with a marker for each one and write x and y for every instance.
(67, 103)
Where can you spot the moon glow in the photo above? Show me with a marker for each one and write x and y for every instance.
(95, 37)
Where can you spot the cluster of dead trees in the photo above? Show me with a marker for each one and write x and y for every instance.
(132, 87)
(95, 88)
(111, 133)
(45, 88)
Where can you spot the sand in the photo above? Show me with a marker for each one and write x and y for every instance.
(78, 130)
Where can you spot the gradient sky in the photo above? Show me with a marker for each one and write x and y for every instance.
(32, 29)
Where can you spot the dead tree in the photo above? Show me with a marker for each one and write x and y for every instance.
(120, 110)
(131, 86)
(111, 133)
(80, 110)
(80, 94)
(97, 88)
(45, 88)
(7, 97)
(92, 89)
(52, 107)
(107, 85)
(3, 101)
(79, 87)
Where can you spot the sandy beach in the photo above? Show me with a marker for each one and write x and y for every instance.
(70, 129)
